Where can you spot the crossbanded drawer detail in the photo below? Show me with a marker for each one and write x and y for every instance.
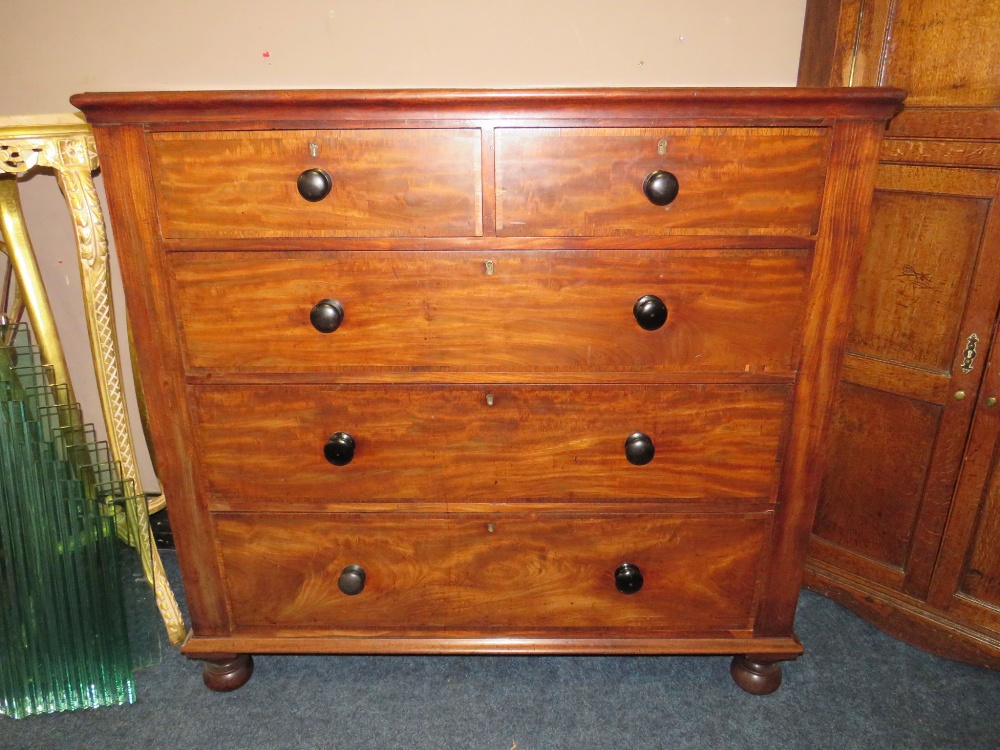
(569, 182)
(510, 573)
(542, 311)
(489, 443)
(383, 183)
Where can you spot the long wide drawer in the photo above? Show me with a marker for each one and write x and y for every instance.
(488, 443)
(514, 573)
(590, 181)
(382, 183)
(724, 310)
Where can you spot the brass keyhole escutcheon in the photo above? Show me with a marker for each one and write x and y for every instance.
(488, 266)
(489, 399)
(970, 353)
(661, 147)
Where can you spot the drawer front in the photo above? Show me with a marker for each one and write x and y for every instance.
(582, 182)
(489, 443)
(385, 183)
(726, 311)
(511, 573)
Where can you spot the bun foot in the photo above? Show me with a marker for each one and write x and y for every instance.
(228, 673)
(756, 677)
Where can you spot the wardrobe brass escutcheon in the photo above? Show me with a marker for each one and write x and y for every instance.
(969, 354)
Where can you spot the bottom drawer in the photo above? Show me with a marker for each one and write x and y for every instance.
(515, 573)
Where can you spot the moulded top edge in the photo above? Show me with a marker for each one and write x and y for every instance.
(675, 104)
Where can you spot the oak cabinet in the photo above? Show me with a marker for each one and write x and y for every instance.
(906, 529)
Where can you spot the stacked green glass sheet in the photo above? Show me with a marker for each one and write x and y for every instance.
(74, 605)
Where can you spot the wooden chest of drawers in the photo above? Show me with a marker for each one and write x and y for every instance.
(495, 372)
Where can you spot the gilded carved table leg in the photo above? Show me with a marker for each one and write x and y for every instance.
(226, 673)
(756, 677)
(92, 247)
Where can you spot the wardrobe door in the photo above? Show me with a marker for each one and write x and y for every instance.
(966, 580)
(923, 321)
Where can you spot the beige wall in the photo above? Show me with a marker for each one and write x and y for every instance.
(62, 47)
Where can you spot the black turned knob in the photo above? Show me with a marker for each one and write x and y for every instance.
(650, 312)
(327, 315)
(660, 187)
(639, 449)
(314, 185)
(352, 580)
(628, 578)
(339, 449)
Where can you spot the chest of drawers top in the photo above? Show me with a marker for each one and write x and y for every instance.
(474, 164)
(480, 371)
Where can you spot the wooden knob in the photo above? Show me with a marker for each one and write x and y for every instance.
(339, 449)
(314, 185)
(352, 580)
(628, 578)
(660, 187)
(327, 315)
(639, 449)
(650, 312)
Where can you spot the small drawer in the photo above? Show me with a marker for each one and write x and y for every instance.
(303, 446)
(510, 573)
(593, 181)
(529, 312)
(379, 183)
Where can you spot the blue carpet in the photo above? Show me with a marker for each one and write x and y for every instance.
(854, 688)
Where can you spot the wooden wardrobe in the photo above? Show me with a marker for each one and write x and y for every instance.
(907, 532)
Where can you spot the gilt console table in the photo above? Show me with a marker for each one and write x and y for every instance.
(65, 145)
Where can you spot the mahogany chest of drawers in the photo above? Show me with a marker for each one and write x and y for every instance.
(490, 371)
